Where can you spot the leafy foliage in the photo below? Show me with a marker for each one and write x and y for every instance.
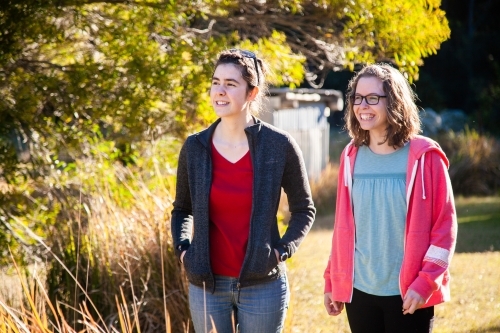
(96, 82)
(74, 71)
(339, 34)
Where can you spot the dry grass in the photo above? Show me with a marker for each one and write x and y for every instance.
(306, 313)
(475, 304)
(123, 247)
(111, 238)
(38, 313)
(324, 189)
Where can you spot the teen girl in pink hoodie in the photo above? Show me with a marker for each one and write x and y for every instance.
(395, 222)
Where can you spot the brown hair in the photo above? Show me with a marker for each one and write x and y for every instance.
(402, 112)
(253, 75)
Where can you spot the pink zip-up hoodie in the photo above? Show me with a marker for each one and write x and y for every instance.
(430, 231)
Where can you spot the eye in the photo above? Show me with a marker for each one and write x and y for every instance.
(372, 99)
(357, 99)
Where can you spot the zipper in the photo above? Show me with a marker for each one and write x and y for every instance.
(238, 286)
(353, 253)
(209, 153)
(249, 245)
(408, 195)
(348, 184)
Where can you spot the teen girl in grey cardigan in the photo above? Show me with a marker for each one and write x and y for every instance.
(277, 163)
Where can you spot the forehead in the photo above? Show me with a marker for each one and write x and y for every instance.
(228, 71)
(370, 84)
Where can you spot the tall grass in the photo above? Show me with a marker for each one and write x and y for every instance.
(39, 314)
(111, 237)
(324, 190)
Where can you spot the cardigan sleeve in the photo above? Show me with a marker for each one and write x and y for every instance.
(295, 183)
(182, 218)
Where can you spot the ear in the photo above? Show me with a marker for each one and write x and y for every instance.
(252, 94)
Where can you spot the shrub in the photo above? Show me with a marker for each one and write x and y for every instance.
(474, 162)
(324, 190)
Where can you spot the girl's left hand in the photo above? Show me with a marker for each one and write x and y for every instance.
(412, 301)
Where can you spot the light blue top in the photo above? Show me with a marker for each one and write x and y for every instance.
(379, 198)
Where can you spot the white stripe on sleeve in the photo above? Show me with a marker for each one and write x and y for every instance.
(437, 255)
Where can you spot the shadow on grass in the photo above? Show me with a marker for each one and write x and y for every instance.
(478, 224)
(479, 236)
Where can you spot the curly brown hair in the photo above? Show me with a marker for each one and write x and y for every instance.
(255, 76)
(402, 112)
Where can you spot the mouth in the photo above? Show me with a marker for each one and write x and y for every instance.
(221, 103)
(366, 116)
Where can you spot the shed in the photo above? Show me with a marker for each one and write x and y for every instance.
(303, 113)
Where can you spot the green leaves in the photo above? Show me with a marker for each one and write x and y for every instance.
(118, 74)
(400, 31)
(135, 68)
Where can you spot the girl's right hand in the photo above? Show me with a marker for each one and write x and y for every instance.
(334, 308)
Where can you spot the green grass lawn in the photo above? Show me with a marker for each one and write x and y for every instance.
(475, 270)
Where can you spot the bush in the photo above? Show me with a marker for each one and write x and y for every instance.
(474, 162)
(324, 190)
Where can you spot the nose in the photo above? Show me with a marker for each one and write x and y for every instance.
(219, 90)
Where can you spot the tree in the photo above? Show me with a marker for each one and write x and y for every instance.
(73, 70)
(337, 34)
(123, 71)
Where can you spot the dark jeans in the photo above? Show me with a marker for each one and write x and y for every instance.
(383, 314)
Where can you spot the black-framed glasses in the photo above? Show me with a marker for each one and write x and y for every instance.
(370, 99)
(251, 55)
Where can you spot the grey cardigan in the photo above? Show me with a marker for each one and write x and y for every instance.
(277, 163)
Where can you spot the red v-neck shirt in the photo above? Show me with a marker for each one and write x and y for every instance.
(230, 209)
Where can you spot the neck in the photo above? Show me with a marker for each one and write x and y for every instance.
(233, 129)
(380, 148)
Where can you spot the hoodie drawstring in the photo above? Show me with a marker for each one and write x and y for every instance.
(347, 169)
(410, 186)
(422, 172)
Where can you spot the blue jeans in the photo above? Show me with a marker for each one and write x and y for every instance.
(256, 309)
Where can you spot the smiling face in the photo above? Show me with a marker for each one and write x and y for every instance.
(372, 118)
(229, 92)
